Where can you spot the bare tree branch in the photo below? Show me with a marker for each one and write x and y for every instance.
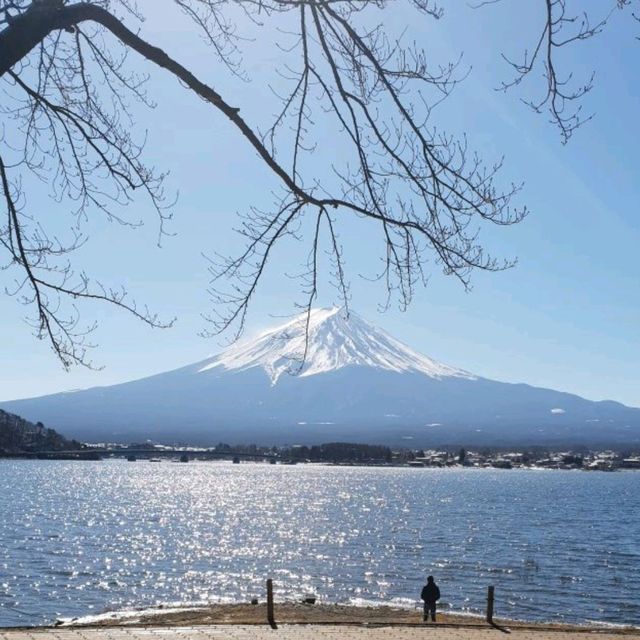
(562, 94)
(64, 66)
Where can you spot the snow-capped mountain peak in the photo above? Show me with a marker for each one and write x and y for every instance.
(356, 384)
(335, 340)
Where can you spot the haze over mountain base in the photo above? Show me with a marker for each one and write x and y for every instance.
(356, 383)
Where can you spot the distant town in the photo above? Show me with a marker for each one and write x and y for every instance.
(22, 439)
(343, 453)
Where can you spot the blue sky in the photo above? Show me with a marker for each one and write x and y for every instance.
(566, 317)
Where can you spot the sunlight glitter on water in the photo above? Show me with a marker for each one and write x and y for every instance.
(82, 537)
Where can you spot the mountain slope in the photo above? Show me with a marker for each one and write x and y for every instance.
(356, 383)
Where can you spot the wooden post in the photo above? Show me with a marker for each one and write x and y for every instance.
(490, 598)
(270, 615)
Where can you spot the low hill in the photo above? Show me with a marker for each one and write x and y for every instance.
(18, 435)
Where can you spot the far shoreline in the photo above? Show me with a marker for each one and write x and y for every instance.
(91, 457)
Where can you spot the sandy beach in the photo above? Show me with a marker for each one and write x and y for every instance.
(305, 616)
(312, 631)
(285, 613)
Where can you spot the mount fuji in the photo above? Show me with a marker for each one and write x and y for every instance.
(330, 377)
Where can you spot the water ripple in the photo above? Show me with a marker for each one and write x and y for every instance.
(82, 537)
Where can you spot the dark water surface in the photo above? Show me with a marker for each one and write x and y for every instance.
(84, 537)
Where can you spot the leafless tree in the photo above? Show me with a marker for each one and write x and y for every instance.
(68, 81)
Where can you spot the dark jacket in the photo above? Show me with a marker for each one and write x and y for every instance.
(430, 592)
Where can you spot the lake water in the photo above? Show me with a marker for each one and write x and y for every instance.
(85, 537)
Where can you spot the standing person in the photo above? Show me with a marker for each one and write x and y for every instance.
(430, 594)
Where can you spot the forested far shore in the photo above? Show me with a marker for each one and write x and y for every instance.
(18, 436)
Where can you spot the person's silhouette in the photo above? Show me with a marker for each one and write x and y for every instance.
(430, 594)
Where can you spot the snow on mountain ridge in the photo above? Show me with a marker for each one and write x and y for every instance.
(335, 341)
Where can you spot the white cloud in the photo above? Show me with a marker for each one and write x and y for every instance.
(557, 410)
